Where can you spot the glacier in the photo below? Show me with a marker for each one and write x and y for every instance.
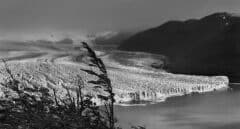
(128, 85)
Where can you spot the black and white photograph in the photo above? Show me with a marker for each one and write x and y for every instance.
(119, 64)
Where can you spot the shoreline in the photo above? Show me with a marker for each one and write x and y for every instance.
(149, 102)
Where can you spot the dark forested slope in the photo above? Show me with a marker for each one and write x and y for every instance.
(206, 46)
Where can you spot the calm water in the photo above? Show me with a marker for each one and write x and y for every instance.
(216, 110)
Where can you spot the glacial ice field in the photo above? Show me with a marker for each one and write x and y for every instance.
(56, 65)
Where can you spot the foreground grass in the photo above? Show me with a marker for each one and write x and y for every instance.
(33, 107)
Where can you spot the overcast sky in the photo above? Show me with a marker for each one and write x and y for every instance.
(22, 17)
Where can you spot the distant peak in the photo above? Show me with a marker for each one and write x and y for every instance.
(221, 15)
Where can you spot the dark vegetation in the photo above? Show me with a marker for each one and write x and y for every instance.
(206, 46)
(41, 108)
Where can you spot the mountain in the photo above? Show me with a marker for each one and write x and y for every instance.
(206, 46)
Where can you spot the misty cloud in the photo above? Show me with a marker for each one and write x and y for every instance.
(41, 18)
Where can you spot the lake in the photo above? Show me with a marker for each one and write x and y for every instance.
(215, 110)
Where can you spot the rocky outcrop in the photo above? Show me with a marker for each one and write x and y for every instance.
(206, 46)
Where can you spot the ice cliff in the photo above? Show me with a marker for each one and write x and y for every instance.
(168, 88)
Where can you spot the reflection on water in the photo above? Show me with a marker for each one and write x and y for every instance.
(216, 110)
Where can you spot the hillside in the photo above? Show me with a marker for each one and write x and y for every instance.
(206, 46)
